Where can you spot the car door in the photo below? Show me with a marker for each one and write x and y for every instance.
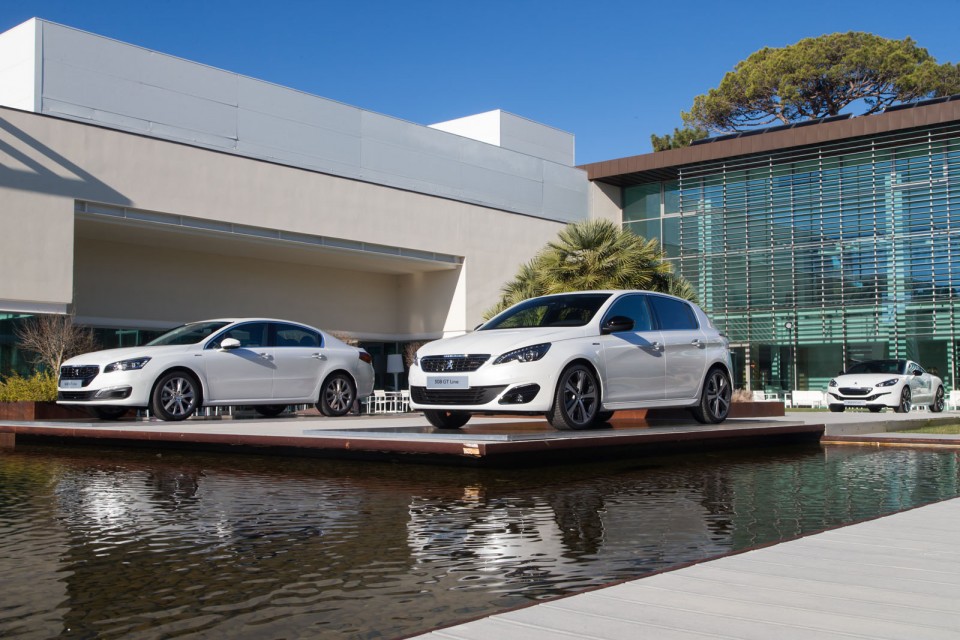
(921, 386)
(634, 365)
(244, 373)
(300, 361)
(684, 346)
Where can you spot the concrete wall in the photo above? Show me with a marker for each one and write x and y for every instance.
(101, 81)
(606, 202)
(48, 164)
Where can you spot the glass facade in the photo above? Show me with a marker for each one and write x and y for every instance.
(813, 258)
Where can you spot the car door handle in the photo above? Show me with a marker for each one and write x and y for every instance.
(319, 356)
(699, 344)
(656, 346)
(265, 356)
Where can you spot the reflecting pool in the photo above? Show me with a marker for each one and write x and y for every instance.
(135, 544)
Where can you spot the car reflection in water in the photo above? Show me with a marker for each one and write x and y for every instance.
(147, 546)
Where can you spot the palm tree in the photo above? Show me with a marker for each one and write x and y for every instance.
(593, 254)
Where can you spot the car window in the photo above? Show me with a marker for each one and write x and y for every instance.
(634, 307)
(673, 315)
(291, 335)
(250, 334)
(573, 310)
(188, 334)
(894, 367)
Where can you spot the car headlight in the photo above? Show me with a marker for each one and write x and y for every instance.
(833, 383)
(889, 383)
(526, 354)
(126, 365)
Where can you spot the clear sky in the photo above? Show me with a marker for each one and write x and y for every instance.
(610, 72)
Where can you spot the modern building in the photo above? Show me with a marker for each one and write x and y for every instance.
(139, 191)
(815, 244)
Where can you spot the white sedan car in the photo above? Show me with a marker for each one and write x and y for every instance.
(876, 384)
(578, 357)
(253, 361)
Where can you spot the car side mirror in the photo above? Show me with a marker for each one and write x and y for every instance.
(229, 343)
(616, 324)
(917, 373)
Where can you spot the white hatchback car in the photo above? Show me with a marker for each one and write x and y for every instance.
(269, 364)
(577, 357)
(875, 384)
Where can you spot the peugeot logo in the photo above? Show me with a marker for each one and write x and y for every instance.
(448, 366)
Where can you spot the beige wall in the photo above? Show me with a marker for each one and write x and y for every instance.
(606, 202)
(36, 249)
(59, 162)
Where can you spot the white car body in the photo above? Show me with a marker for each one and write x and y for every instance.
(877, 384)
(269, 368)
(649, 365)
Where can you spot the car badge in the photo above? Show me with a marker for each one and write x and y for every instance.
(448, 366)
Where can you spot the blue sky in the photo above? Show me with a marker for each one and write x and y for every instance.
(610, 72)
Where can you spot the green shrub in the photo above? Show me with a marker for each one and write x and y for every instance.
(38, 387)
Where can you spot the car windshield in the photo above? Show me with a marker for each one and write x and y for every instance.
(896, 367)
(574, 310)
(188, 333)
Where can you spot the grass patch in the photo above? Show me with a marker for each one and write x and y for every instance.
(952, 429)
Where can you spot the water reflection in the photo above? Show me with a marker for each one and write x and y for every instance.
(113, 544)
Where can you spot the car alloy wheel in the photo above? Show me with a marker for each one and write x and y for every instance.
(337, 396)
(715, 399)
(938, 401)
(176, 396)
(905, 404)
(577, 402)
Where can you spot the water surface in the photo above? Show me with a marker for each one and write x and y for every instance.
(135, 544)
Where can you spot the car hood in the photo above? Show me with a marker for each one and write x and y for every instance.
(498, 341)
(865, 379)
(113, 355)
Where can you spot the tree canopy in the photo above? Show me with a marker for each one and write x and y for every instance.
(593, 254)
(817, 77)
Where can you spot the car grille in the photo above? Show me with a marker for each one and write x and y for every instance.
(473, 396)
(456, 364)
(75, 395)
(86, 373)
(860, 396)
(854, 391)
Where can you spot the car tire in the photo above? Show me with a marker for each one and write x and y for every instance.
(576, 404)
(714, 405)
(270, 410)
(447, 419)
(905, 405)
(837, 408)
(175, 396)
(337, 396)
(938, 401)
(875, 409)
(108, 413)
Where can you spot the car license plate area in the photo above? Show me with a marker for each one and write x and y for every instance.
(448, 382)
(71, 384)
(855, 403)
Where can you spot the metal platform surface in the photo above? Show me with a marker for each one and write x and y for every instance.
(409, 437)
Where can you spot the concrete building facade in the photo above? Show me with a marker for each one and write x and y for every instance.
(140, 191)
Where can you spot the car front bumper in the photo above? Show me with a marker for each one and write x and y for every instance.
(504, 388)
(874, 397)
(117, 388)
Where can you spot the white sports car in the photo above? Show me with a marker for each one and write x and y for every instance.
(578, 357)
(269, 364)
(875, 384)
